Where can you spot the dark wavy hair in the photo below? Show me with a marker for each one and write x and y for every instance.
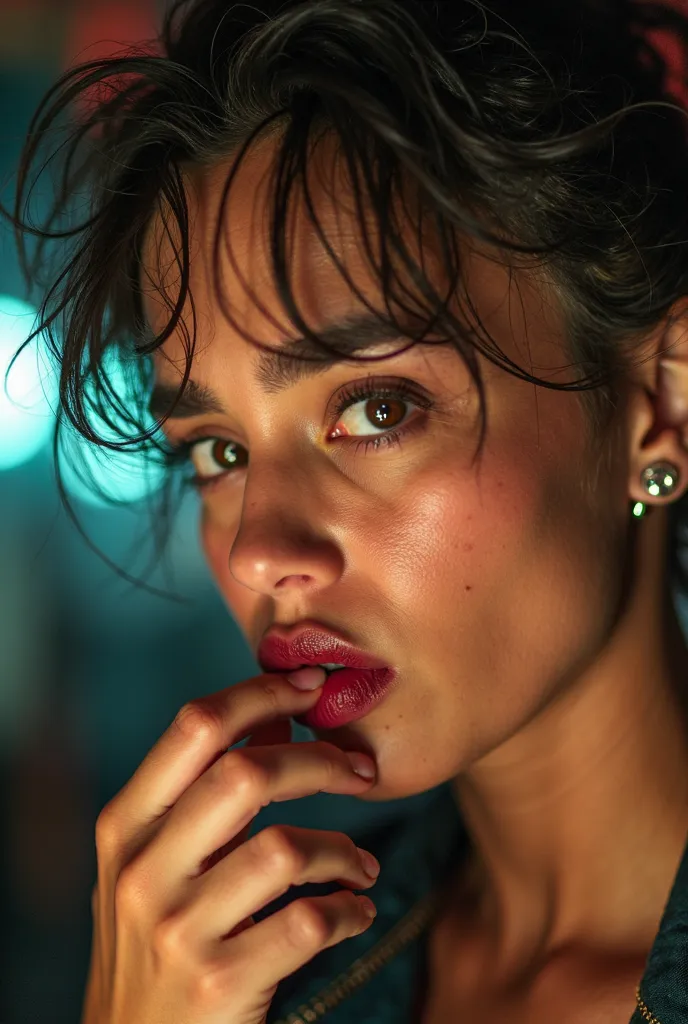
(548, 130)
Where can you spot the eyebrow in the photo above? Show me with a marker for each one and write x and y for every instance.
(280, 369)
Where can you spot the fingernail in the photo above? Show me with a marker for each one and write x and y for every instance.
(362, 764)
(309, 678)
(368, 906)
(371, 865)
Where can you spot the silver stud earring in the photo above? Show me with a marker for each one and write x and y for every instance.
(660, 480)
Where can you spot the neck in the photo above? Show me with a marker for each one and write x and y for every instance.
(579, 821)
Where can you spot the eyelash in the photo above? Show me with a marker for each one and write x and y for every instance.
(352, 395)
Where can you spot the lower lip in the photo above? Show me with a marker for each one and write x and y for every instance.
(347, 694)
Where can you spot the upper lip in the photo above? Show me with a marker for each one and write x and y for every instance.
(284, 648)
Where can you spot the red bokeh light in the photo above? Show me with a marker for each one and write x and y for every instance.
(106, 28)
(100, 28)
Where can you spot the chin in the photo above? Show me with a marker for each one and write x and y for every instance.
(346, 737)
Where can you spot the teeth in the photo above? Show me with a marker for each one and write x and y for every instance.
(330, 666)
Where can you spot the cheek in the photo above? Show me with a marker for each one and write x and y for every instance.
(464, 540)
(501, 584)
(512, 580)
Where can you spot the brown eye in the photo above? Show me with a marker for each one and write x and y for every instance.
(214, 456)
(376, 413)
(385, 412)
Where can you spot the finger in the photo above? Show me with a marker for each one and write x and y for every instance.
(201, 732)
(263, 869)
(231, 793)
(275, 732)
(256, 960)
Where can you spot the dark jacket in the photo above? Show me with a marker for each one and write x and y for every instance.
(378, 977)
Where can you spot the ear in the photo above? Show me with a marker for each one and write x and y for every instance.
(660, 426)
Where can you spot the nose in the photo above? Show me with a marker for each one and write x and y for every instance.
(285, 538)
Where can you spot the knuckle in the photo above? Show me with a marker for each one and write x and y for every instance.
(347, 851)
(169, 940)
(238, 771)
(198, 719)
(348, 847)
(274, 690)
(209, 987)
(107, 829)
(333, 760)
(130, 889)
(279, 852)
(308, 926)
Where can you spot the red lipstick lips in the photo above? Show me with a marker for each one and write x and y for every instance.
(349, 692)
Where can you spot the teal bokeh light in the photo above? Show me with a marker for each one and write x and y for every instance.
(28, 402)
(28, 391)
(100, 476)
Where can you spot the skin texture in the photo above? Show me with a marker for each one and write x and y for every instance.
(539, 660)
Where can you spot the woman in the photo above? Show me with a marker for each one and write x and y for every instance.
(405, 284)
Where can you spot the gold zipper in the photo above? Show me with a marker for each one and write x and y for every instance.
(361, 970)
(642, 1006)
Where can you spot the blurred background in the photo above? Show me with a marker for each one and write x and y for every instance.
(92, 669)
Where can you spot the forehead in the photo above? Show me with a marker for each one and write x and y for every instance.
(238, 274)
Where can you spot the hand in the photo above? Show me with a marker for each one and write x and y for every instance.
(174, 939)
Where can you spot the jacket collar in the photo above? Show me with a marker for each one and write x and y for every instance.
(418, 854)
(663, 989)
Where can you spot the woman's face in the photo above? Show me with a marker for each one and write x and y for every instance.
(487, 586)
